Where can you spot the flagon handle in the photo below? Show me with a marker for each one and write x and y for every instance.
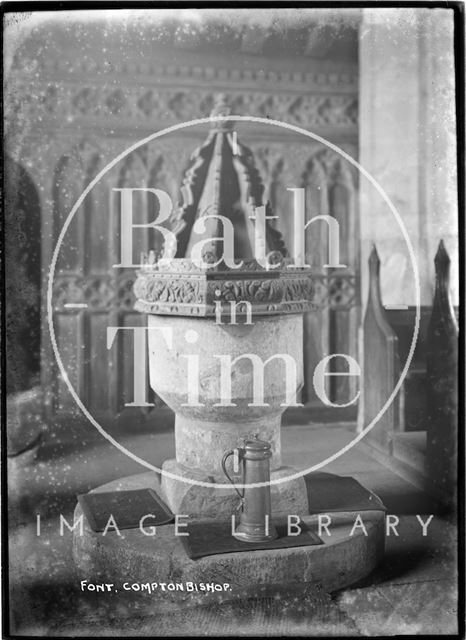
(224, 461)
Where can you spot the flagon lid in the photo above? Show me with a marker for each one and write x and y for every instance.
(256, 445)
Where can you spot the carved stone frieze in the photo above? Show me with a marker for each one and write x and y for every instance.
(287, 293)
(173, 105)
(255, 291)
(204, 291)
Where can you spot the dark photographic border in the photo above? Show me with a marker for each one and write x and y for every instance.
(459, 35)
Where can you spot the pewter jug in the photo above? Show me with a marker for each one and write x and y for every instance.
(255, 519)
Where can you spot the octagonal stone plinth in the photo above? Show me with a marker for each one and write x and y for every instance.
(345, 557)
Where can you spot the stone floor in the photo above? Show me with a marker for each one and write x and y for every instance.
(412, 592)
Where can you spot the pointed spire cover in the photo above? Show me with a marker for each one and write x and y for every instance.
(222, 180)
